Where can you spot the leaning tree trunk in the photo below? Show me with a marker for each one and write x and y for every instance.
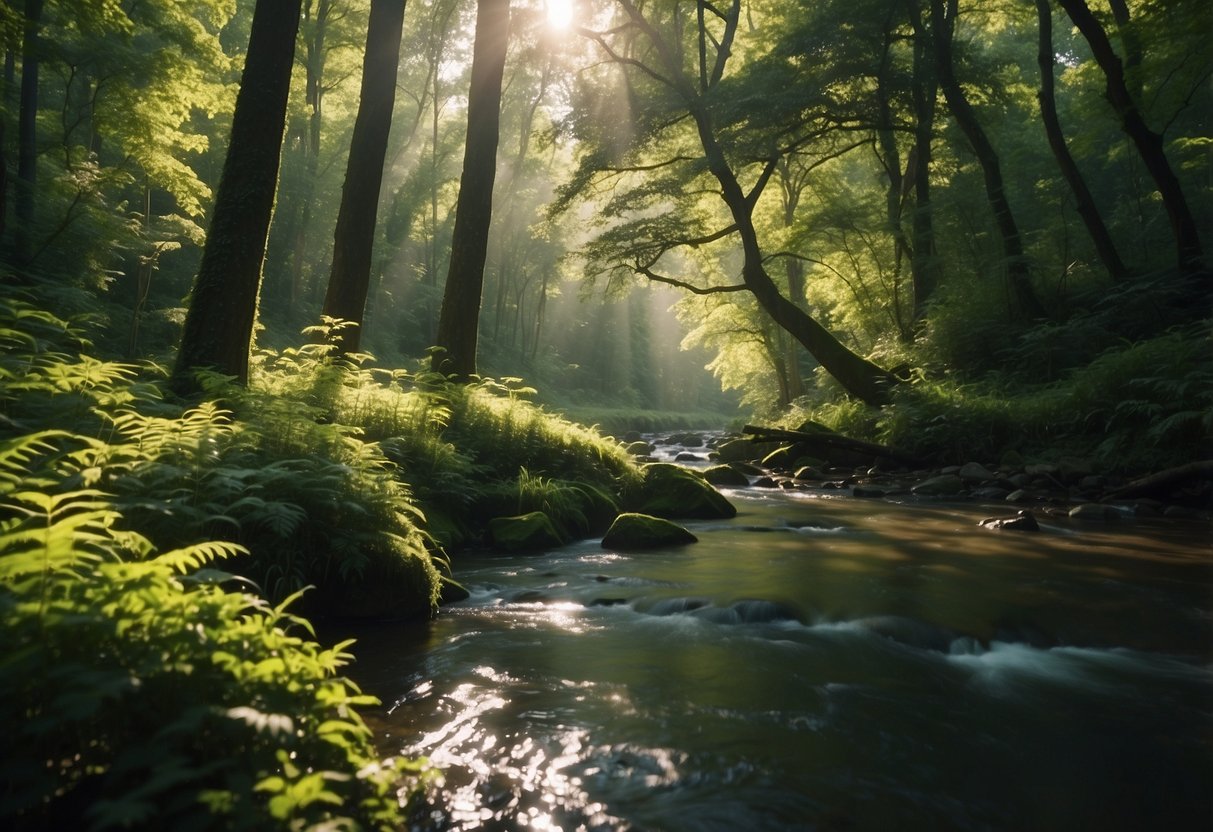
(1085, 203)
(460, 318)
(858, 376)
(219, 324)
(1149, 144)
(354, 239)
(966, 118)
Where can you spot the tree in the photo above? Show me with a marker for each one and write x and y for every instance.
(219, 324)
(733, 133)
(353, 240)
(27, 129)
(1149, 144)
(1085, 203)
(458, 323)
(943, 28)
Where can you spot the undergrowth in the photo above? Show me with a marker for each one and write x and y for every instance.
(1135, 407)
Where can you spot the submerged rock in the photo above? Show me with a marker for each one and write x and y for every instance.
(940, 486)
(1093, 511)
(632, 532)
(1024, 521)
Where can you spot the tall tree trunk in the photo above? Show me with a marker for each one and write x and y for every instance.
(460, 317)
(942, 29)
(923, 87)
(27, 130)
(1085, 203)
(219, 324)
(354, 238)
(1190, 254)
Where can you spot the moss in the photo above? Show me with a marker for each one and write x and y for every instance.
(670, 491)
(632, 532)
(531, 532)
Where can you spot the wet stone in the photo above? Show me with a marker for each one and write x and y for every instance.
(1024, 521)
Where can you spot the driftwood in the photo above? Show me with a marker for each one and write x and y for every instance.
(1166, 482)
(832, 440)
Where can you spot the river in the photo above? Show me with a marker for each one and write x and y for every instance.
(818, 663)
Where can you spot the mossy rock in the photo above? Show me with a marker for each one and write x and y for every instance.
(531, 532)
(670, 491)
(725, 475)
(783, 459)
(743, 450)
(632, 532)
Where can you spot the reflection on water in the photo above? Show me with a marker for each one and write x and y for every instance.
(819, 664)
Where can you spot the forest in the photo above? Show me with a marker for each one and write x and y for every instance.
(300, 298)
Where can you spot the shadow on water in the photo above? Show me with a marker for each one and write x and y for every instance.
(818, 663)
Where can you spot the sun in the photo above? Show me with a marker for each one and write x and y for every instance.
(560, 13)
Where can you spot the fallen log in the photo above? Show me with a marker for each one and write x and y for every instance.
(829, 439)
(1166, 482)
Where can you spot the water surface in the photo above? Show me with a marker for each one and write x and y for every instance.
(819, 663)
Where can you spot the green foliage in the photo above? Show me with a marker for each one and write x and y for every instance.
(137, 691)
(313, 503)
(141, 685)
(1137, 406)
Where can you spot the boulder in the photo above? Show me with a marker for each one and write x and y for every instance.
(747, 469)
(975, 472)
(687, 456)
(743, 450)
(639, 448)
(531, 532)
(670, 491)
(633, 532)
(689, 440)
(808, 472)
(782, 458)
(944, 485)
(725, 475)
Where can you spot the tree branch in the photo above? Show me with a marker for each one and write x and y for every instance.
(699, 290)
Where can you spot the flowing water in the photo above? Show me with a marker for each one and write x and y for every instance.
(819, 662)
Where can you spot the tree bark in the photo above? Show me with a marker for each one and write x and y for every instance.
(354, 238)
(1189, 252)
(923, 87)
(219, 324)
(27, 130)
(460, 318)
(1084, 202)
(942, 29)
(858, 376)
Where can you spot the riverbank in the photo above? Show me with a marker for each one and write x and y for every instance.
(1071, 486)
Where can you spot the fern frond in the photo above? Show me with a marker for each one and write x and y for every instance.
(198, 555)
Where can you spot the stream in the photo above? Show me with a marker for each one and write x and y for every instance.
(818, 663)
